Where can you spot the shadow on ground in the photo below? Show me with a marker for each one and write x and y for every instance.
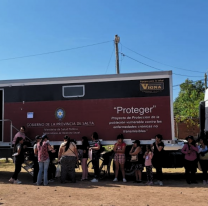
(170, 180)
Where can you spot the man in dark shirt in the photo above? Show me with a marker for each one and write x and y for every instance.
(95, 148)
(158, 158)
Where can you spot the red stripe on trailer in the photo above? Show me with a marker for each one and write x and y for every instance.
(137, 118)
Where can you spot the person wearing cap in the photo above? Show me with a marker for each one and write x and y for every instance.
(190, 150)
(119, 157)
(136, 150)
(157, 159)
(43, 159)
(35, 159)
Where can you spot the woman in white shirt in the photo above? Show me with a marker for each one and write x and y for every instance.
(68, 157)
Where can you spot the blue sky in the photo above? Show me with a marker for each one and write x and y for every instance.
(172, 32)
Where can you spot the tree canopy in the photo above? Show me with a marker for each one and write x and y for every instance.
(186, 105)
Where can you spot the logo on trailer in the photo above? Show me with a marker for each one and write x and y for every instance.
(152, 86)
(59, 113)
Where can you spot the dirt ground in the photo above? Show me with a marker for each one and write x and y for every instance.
(105, 193)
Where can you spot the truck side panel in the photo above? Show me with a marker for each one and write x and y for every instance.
(137, 118)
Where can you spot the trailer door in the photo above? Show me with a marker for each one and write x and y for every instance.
(1, 114)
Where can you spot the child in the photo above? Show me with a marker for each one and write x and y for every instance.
(148, 164)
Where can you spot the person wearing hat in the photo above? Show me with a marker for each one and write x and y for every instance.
(190, 150)
(119, 157)
(43, 159)
(136, 150)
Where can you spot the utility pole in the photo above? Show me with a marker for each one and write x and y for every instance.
(205, 80)
(117, 40)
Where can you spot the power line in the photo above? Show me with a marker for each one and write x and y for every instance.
(161, 62)
(139, 61)
(51, 52)
(159, 69)
(155, 67)
(192, 82)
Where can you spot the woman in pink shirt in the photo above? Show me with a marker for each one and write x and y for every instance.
(43, 159)
(119, 157)
(190, 150)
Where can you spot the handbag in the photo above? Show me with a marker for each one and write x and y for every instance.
(58, 171)
(134, 158)
(77, 164)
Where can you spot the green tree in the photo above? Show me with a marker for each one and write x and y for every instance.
(186, 105)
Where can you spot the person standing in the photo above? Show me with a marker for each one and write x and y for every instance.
(85, 148)
(35, 159)
(119, 157)
(43, 159)
(95, 148)
(21, 133)
(158, 158)
(18, 160)
(68, 156)
(148, 164)
(203, 159)
(190, 150)
(136, 150)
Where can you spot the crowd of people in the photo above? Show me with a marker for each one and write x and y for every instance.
(196, 156)
(68, 156)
